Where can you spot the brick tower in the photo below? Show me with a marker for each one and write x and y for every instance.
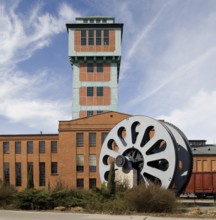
(95, 56)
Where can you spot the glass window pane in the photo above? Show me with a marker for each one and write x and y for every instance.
(42, 174)
(91, 37)
(18, 174)
(54, 147)
(29, 147)
(79, 139)
(90, 67)
(83, 37)
(18, 147)
(99, 67)
(92, 139)
(99, 91)
(41, 146)
(6, 149)
(90, 91)
(106, 37)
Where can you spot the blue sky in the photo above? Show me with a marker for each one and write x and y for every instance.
(167, 72)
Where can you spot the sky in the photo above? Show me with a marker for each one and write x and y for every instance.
(168, 65)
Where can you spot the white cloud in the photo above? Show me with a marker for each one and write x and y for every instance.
(23, 96)
(197, 119)
(22, 35)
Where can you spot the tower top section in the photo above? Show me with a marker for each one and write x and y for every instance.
(95, 20)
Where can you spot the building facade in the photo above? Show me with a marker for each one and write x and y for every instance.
(94, 49)
(69, 158)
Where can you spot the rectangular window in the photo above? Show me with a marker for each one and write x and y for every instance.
(106, 37)
(103, 136)
(42, 174)
(83, 37)
(30, 175)
(92, 139)
(99, 112)
(92, 183)
(18, 147)
(18, 174)
(91, 37)
(54, 168)
(6, 174)
(30, 147)
(6, 149)
(99, 67)
(54, 148)
(90, 113)
(80, 162)
(79, 139)
(41, 146)
(98, 37)
(90, 91)
(92, 163)
(100, 91)
(80, 183)
(90, 67)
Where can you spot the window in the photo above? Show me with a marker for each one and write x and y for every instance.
(30, 147)
(18, 147)
(90, 67)
(6, 148)
(106, 37)
(92, 139)
(99, 112)
(80, 163)
(54, 168)
(90, 91)
(54, 148)
(90, 113)
(99, 67)
(83, 37)
(92, 163)
(18, 174)
(30, 175)
(99, 91)
(41, 146)
(92, 183)
(103, 136)
(79, 139)
(98, 37)
(91, 37)
(80, 183)
(42, 174)
(6, 174)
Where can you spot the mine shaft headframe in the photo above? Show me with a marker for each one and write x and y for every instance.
(157, 150)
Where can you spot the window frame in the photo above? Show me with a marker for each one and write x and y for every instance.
(90, 37)
(54, 147)
(6, 147)
(18, 147)
(92, 139)
(18, 174)
(90, 113)
(98, 37)
(79, 139)
(83, 40)
(80, 183)
(54, 168)
(92, 163)
(106, 37)
(92, 183)
(90, 91)
(100, 67)
(90, 67)
(30, 147)
(80, 162)
(42, 147)
(42, 174)
(100, 91)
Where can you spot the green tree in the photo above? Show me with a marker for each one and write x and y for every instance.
(111, 180)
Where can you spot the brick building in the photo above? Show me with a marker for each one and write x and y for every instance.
(69, 157)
